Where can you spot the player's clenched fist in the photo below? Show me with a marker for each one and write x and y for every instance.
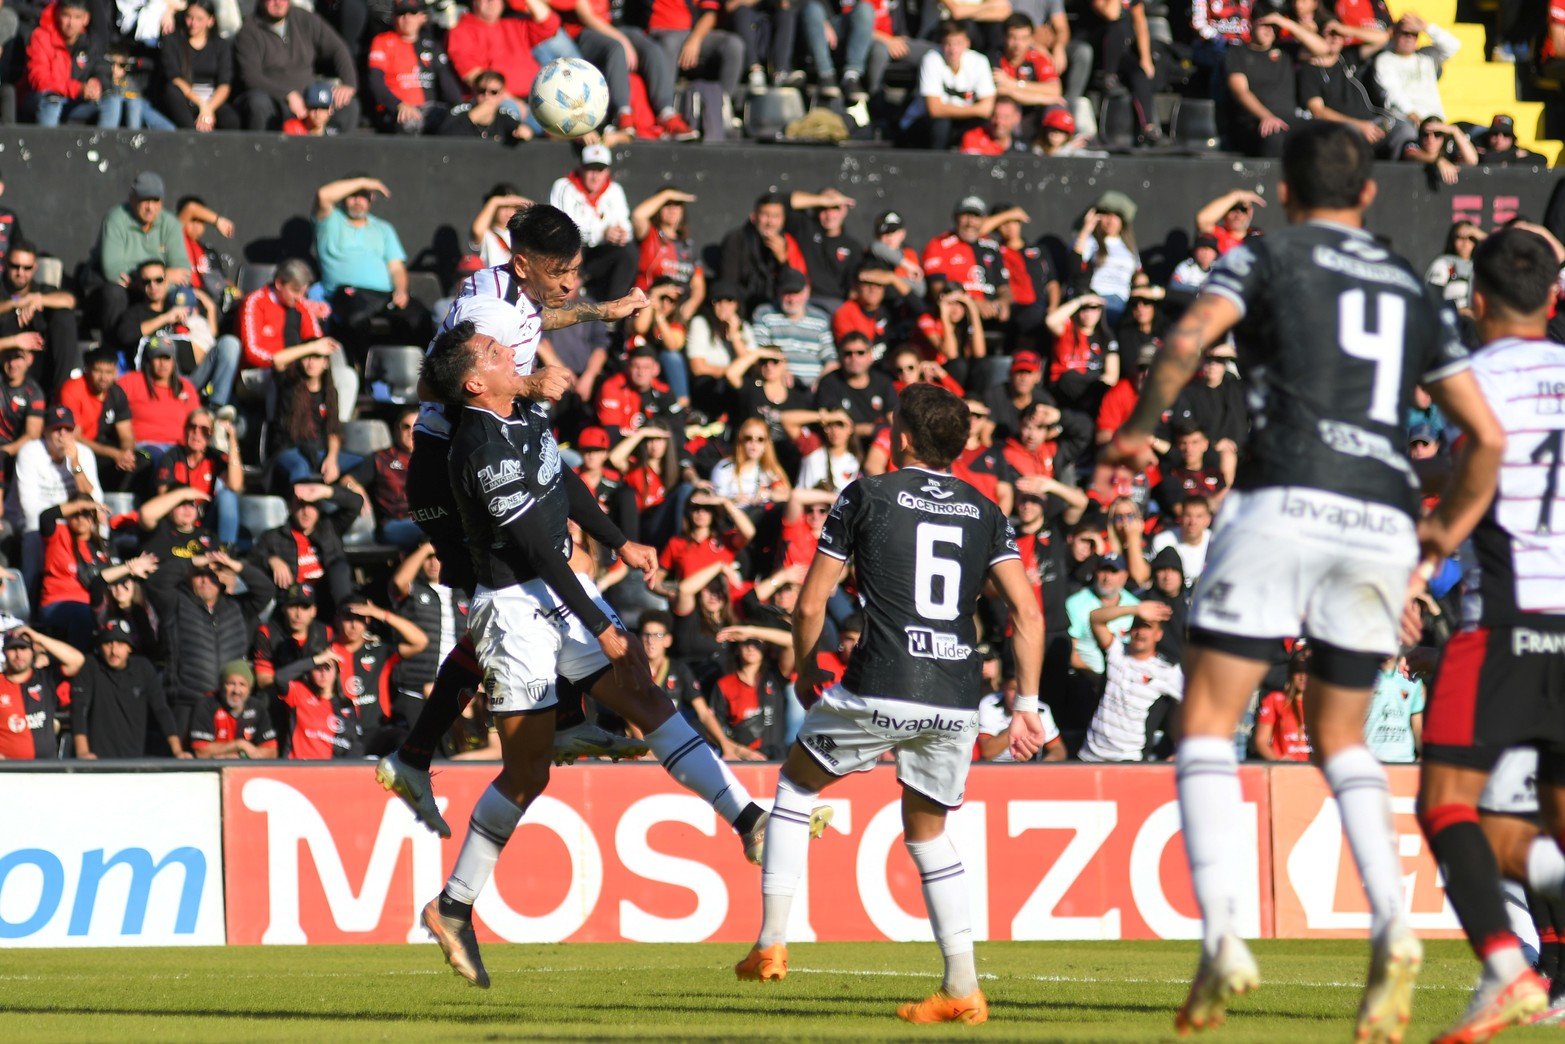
(550, 383)
(630, 304)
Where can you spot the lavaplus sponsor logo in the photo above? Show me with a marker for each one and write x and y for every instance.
(929, 644)
(936, 722)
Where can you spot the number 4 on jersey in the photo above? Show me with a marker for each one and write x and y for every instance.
(1383, 346)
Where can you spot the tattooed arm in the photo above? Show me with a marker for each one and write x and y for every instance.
(586, 311)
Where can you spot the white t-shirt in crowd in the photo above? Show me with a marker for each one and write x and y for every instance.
(1191, 556)
(815, 468)
(1119, 727)
(970, 81)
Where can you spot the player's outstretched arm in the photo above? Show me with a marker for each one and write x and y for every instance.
(809, 617)
(586, 311)
(1010, 576)
(1202, 325)
(1473, 481)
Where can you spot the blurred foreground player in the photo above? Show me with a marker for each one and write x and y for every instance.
(1502, 679)
(922, 544)
(1334, 330)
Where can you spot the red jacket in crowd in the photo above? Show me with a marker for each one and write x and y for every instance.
(263, 326)
(505, 46)
(54, 66)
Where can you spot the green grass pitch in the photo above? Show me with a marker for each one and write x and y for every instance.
(1065, 991)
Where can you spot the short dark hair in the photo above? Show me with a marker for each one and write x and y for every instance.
(450, 358)
(853, 337)
(545, 232)
(854, 623)
(22, 246)
(655, 616)
(1326, 165)
(1017, 20)
(1188, 428)
(769, 197)
(80, 4)
(936, 421)
(948, 30)
(1196, 500)
(185, 201)
(1515, 269)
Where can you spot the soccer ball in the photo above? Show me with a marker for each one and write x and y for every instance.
(569, 97)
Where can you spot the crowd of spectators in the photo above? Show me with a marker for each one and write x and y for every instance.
(208, 526)
(983, 76)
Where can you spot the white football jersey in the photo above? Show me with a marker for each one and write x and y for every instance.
(493, 300)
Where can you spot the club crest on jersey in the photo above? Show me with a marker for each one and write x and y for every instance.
(929, 644)
(494, 476)
(934, 489)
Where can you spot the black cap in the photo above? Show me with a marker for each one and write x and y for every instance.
(116, 631)
(16, 640)
(888, 221)
(350, 604)
(58, 417)
(791, 281)
(1205, 239)
(723, 291)
(299, 594)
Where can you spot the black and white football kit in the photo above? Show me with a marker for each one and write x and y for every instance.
(1318, 534)
(922, 544)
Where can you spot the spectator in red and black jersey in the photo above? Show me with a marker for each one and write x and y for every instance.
(1035, 290)
(21, 402)
(293, 633)
(856, 387)
(1120, 402)
(77, 566)
(660, 225)
(1022, 390)
(278, 324)
(1026, 73)
(890, 248)
(1219, 25)
(702, 542)
(687, 31)
(830, 254)
(982, 464)
(366, 663)
(649, 469)
(966, 258)
(198, 464)
(751, 702)
(323, 722)
(1193, 469)
(679, 683)
(386, 483)
(308, 547)
(1086, 356)
(866, 311)
(635, 396)
(592, 443)
(1001, 133)
(755, 254)
(35, 700)
(411, 82)
(1551, 48)
(35, 315)
(1227, 218)
(234, 722)
(1048, 441)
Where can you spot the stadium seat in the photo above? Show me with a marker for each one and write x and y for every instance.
(765, 115)
(425, 287)
(119, 503)
(1195, 124)
(391, 372)
(1117, 122)
(253, 276)
(255, 385)
(365, 437)
(258, 513)
(13, 595)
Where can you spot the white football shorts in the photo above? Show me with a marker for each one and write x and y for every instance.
(934, 745)
(525, 638)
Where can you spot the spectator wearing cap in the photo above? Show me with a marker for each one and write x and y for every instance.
(966, 257)
(277, 53)
(205, 624)
(118, 699)
(132, 232)
(1134, 720)
(187, 320)
(366, 662)
(67, 69)
(1227, 218)
(35, 698)
(409, 77)
(234, 721)
(799, 329)
(1169, 587)
(1140, 332)
(364, 269)
(856, 388)
(308, 547)
(687, 31)
(102, 416)
(866, 311)
(484, 41)
(817, 221)
(1057, 134)
(755, 255)
(1191, 537)
(1105, 250)
(198, 72)
(1331, 88)
(666, 250)
(49, 472)
(1190, 274)
(719, 335)
(195, 462)
(293, 633)
(171, 531)
(635, 396)
(77, 567)
(597, 203)
(316, 121)
(387, 485)
(1423, 442)
(38, 316)
(323, 720)
(1214, 402)
(160, 399)
(438, 610)
(1409, 75)
(999, 134)
(1023, 388)
(956, 91)
(592, 445)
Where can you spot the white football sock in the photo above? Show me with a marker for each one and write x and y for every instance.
(1363, 795)
(1522, 926)
(694, 766)
(1210, 805)
(945, 896)
(494, 821)
(787, 852)
(1546, 868)
(1502, 964)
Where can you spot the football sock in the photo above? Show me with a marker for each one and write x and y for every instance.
(694, 766)
(1546, 868)
(1472, 884)
(1209, 805)
(458, 675)
(494, 821)
(1519, 913)
(945, 896)
(1548, 964)
(1364, 801)
(787, 851)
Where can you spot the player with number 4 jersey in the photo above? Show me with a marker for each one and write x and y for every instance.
(922, 544)
(1318, 536)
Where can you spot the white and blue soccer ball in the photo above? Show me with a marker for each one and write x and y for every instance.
(569, 98)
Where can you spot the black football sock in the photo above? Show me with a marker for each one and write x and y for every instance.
(459, 676)
(748, 818)
(1552, 947)
(568, 709)
(450, 907)
(1472, 876)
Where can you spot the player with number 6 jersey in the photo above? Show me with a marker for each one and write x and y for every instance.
(1318, 536)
